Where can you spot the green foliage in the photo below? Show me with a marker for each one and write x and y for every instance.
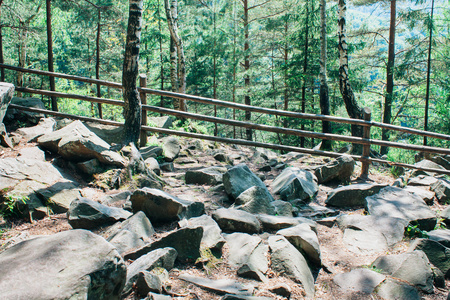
(12, 206)
(189, 126)
(413, 231)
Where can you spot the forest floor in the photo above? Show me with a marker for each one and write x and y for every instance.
(335, 255)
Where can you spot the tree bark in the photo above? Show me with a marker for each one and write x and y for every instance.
(50, 52)
(323, 94)
(22, 53)
(389, 77)
(97, 63)
(427, 95)
(132, 107)
(2, 71)
(161, 104)
(353, 109)
(247, 100)
(305, 68)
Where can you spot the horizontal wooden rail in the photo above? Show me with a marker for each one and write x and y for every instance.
(229, 140)
(231, 104)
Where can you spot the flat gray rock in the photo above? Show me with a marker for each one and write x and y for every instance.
(295, 184)
(232, 220)
(212, 234)
(76, 142)
(6, 94)
(353, 195)
(59, 196)
(219, 286)
(160, 206)
(238, 179)
(282, 208)
(412, 267)
(45, 126)
(422, 180)
(359, 280)
(437, 254)
(88, 214)
(109, 133)
(255, 200)
(340, 169)
(274, 223)
(288, 260)
(159, 258)
(426, 195)
(305, 240)
(395, 289)
(171, 147)
(32, 153)
(425, 163)
(210, 176)
(392, 202)
(125, 240)
(442, 190)
(364, 242)
(440, 235)
(62, 266)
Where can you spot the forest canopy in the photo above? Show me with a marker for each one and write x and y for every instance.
(261, 52)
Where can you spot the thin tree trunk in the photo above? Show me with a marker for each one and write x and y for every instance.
(22, 53)
(161, 58)
(247, 99)
(50, 52)
(286, 57)
(2, 71)
(427, 95)
(132, 108)
(97, 63)
(353, 110)
(389, 77)
(305, 68)
(214, 68)
(323, 94)
(234, 65)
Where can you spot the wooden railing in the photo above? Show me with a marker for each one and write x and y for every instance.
(366, 141)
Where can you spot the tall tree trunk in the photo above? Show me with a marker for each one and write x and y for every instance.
(234, 65)
(132, 108)
(389, 77)
(161, 58)
(2, 71)
(50, 52)
(214, 68)
(305, 68)
(286, 57)
(323, 93)
(173, 70)
(353, 109)
(427, 95)
(172, 20)
(97, 63)
(247, 100)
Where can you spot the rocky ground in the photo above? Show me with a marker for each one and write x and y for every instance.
(189, 219)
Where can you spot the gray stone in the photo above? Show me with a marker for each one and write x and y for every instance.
(294, 183)
(159, 258)
(62, 266)
(161, 122)
(151, 151)
(439, 278)
(412, 267)
(87, 214)
(359, 280)
(352, 195)
(426, 164)
(304, 240)
(77, 143)
(59, 196)
(117, 197)
(442, 190)
(91, 167)
(288, 260)
(426, 195)
(6, 94)
(162, 207)
(146, 282)
(392, 289)
(28, 117)
(5, 140)
(238, 179)
(329, 221)
(242, 297)
(364, 242)
(397, 203)
(437, 254)
(219, 286)
(154, 296)
(315, 212)
(126, 240)
(274, 223)
(171, 147)
(109, 133)
(440, 235)
(445, 214)
(167, 166)
(45, 126)
(138, 224)
(255, 200)
(231, 220)
(210, 176)
(340, 169)
(422, 180)
(186, 241)
(222, 157)
(212, 237)
(153, 165)
(249, 253)
(441, 160)
(282, 208)
(281, 289)
(32, 153)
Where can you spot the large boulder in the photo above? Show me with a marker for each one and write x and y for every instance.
(45, 126)
(232, 220)
(304, 240)
(426, 164)
(88, 214)
(109, 133)
(352, 195)
(6, 94)
(440, 235)
(395, 289)
(160, 206)
(210, 176)
(397, 203)
(30, 118)
(238, 179)
(59, 196)
(62, 266)
(219, 286)
(171, 147)
(340, 169)
(295, 184)
(285, 258)
(359, 280)
(442, 190)
(255, 200)
(274, 223)
(412, 267)
(76, 142)
(437, 254)
(212, 234)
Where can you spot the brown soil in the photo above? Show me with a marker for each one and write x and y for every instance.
(335, 256)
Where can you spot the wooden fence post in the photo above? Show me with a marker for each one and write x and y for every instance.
(366, 148)
(143, 96)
